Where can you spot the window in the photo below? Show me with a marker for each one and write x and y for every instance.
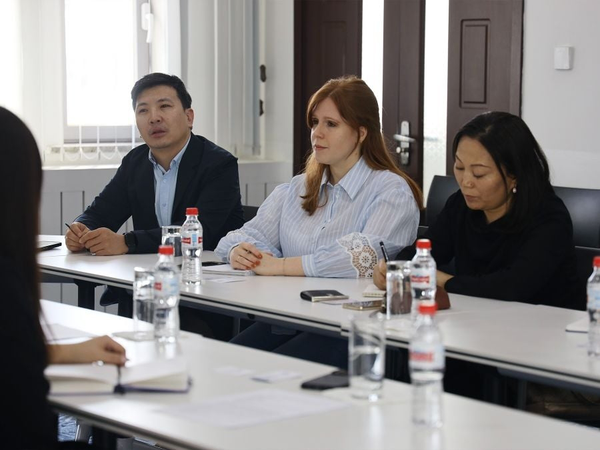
(105, 53)
(10, 80)
(74, 62)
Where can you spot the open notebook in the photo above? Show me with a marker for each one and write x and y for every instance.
(169, 375)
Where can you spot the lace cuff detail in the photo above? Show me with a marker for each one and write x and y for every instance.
(364, 257)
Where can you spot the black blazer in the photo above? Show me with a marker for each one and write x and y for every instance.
(207, 179)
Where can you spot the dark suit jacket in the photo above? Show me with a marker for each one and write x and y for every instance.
(207, 178)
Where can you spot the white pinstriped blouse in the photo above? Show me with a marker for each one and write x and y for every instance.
(341, 239)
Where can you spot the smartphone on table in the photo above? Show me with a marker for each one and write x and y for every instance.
(336, 379)
(212, 263)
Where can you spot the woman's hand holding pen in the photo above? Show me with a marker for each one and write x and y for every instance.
(75, 231)
(379, 271)
(245, 256)
(379, 274)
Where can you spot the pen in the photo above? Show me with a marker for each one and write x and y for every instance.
(384, 251)
(119, 389)
(69, 227)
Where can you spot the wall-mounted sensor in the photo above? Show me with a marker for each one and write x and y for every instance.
(563, 58)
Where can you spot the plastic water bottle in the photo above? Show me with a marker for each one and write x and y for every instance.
(593, 307)
(191, 248)
(166, 296)
(426, 364)
(422, 277)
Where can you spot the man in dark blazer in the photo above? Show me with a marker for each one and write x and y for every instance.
(155, 184)
(157, 181)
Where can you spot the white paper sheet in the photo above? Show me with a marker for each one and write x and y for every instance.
(581, 326)
(275, 376)
(226, 269)
(234, 371)
(223, 280)
(254, 408)
(55, 332)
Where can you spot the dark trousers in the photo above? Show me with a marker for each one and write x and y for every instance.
(298, 344)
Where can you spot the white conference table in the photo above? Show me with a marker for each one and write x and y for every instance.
(524, 341)
(382, 425)
(276, 298)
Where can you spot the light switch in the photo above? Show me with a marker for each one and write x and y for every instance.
(563, 58)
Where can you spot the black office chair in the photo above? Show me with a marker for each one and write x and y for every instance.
(584, 207)
(249, 212)
(442, 187)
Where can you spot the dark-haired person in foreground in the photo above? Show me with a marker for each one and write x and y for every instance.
(509, 235)
(156, 182)
(26, 420)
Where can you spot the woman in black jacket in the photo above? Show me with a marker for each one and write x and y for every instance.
(506, 232)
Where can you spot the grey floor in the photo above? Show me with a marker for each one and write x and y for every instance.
(67, 427)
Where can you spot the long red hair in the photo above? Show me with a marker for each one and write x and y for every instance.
(358, 107)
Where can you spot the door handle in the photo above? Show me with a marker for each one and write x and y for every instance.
(404, 140)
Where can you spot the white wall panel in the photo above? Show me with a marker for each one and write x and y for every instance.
(561, 106)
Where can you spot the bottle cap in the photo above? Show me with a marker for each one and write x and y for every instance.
(165, 250)
(427, 309)
(596, 261)
(424, 243)
(191, 211)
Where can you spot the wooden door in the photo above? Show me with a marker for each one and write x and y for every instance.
(327, 44)
(403, 74)
(484, 61)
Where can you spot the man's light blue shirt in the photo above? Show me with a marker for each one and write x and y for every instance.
(165, 183)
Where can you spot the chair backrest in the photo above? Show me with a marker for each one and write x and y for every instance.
(585, 258)
(442, 187)
(249, 212)
(584, 207)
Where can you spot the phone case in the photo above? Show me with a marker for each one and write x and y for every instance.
(338, 378)
(321, 295)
